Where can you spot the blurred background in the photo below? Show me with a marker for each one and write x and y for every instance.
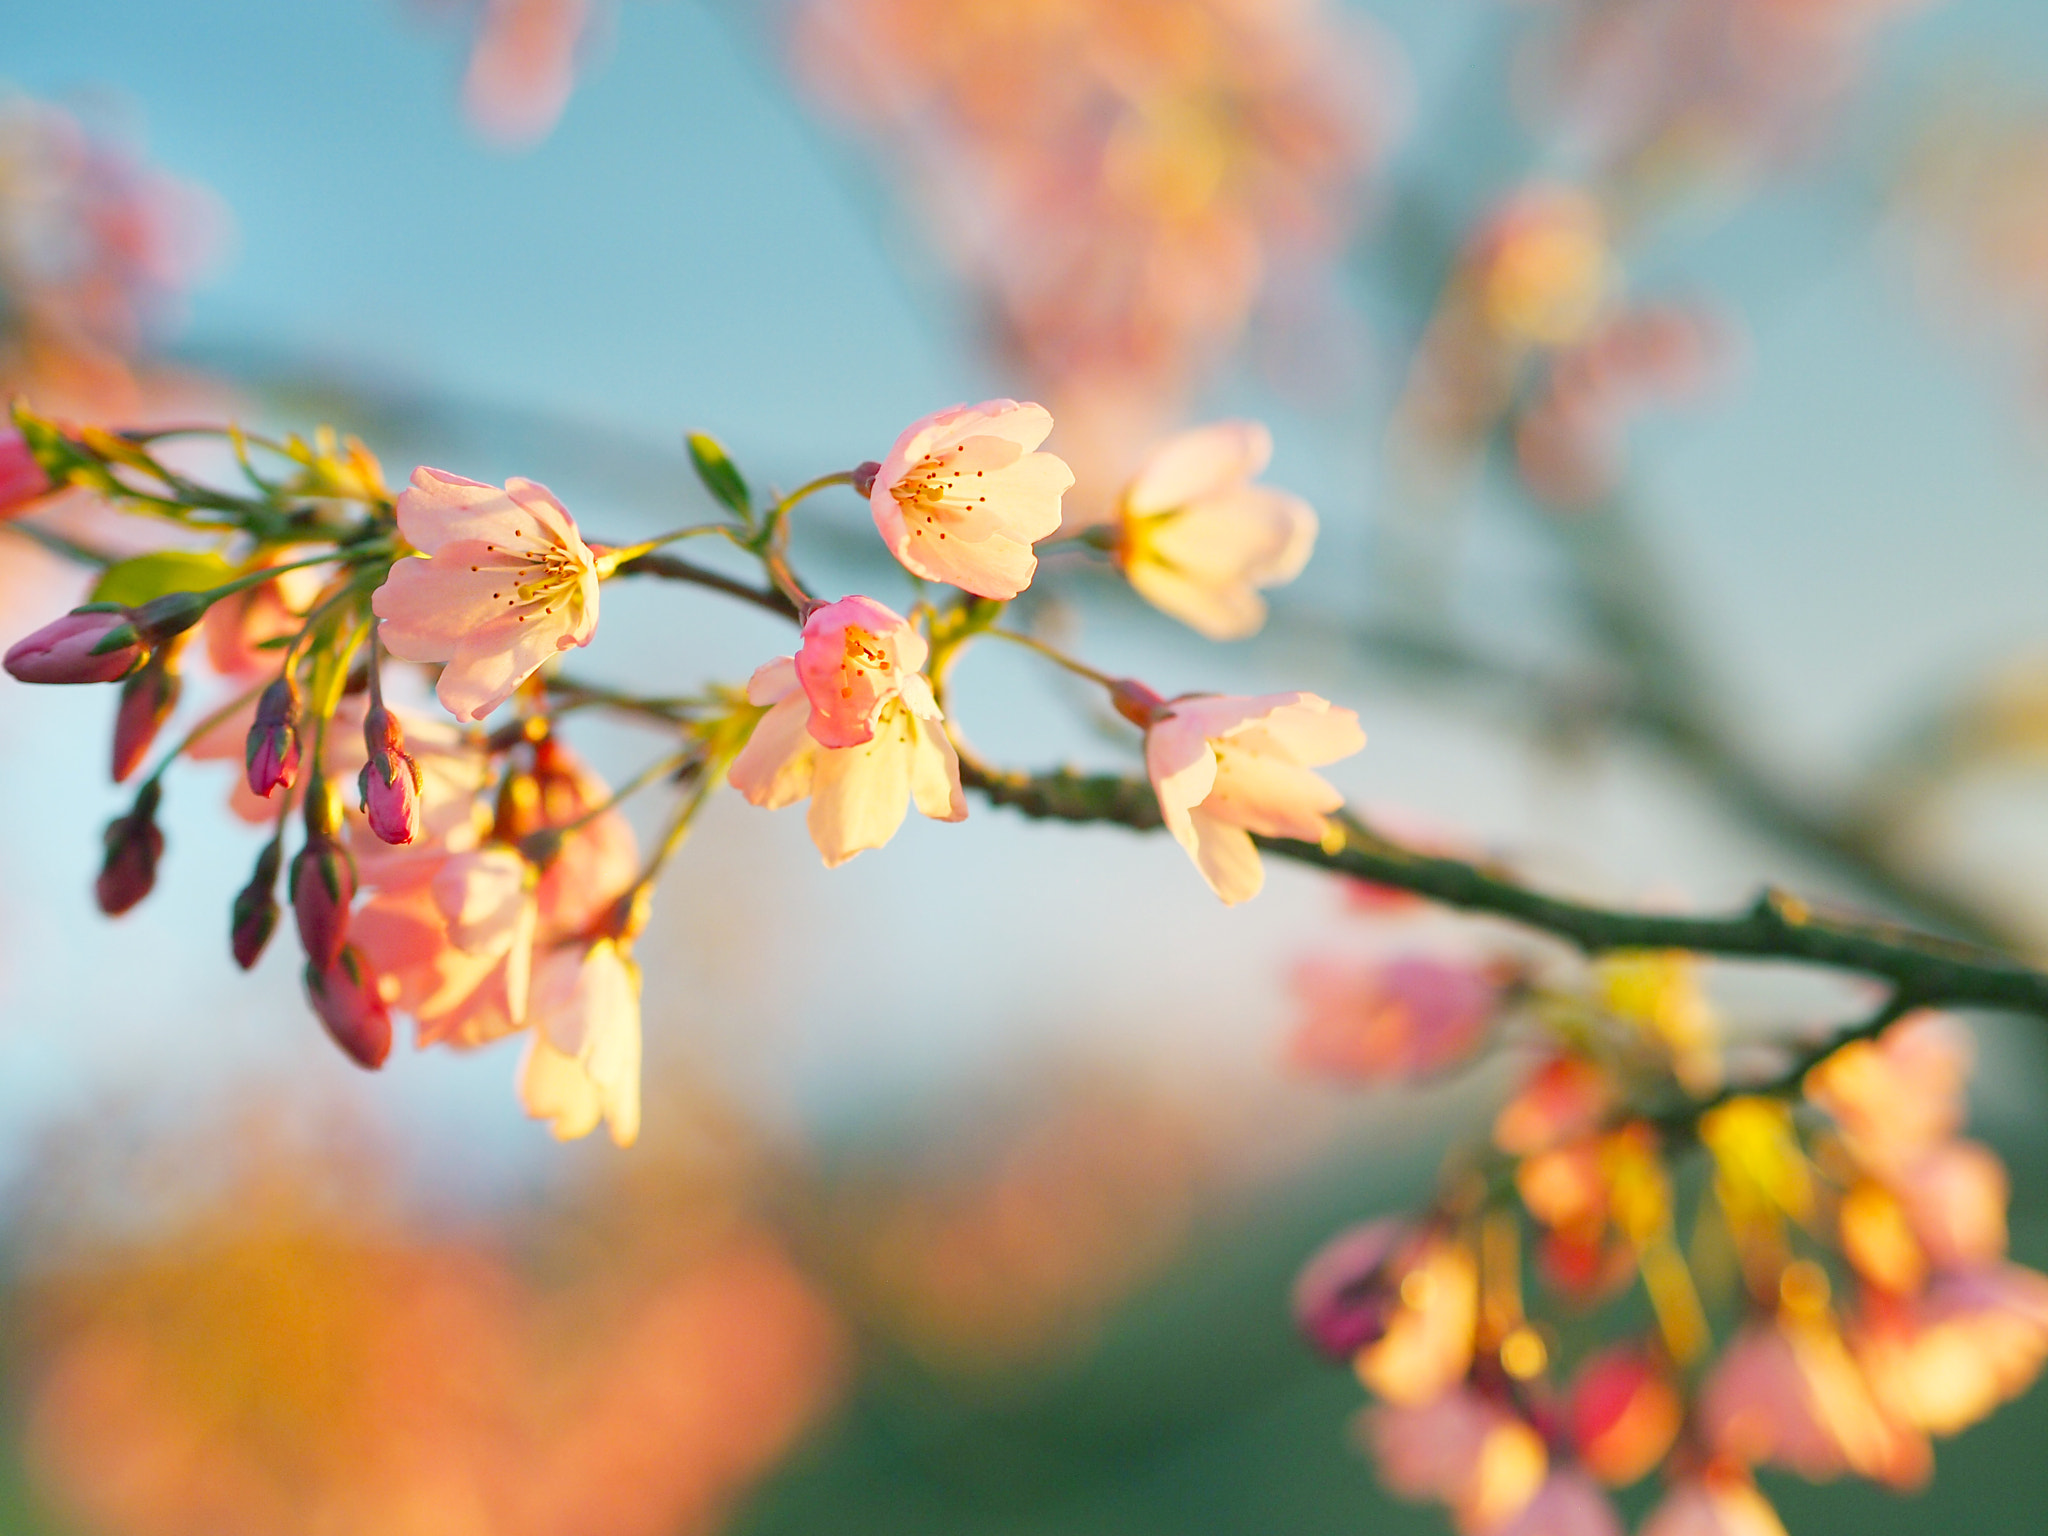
(1669, 376)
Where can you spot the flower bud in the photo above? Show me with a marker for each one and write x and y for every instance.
(67, 649)
(147, 700)
(271, 758)
(1348, 1293)
(323, 883)
(134, 844)
(22, 476)
(255, 909)
(344, 994)
(390, 780)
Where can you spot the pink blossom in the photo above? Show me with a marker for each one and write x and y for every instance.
(1624, 1414)
(62, 651)
(857, 658)
(1944, 1360)
(1225, 768)
(1195, 537)
(1788, 1392)
(523, 67)
(22, 478)
(582, 1062)
(859, 794)
(1900, 1095)
(506, 583)
(237, 626)
(1715, 1505)
(1462, 1449)
(1381, 1021)
(961, 497)
(1568, 1504)
(390, 781)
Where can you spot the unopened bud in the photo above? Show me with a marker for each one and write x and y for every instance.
(67, 650)
(323, 884)
(345, 995)
(147, 700)
(134, 844)
(864, 477)
(22, 476)
(390, 781)
(271, 758)
(1348, 1293)
(255, 910)
(1137, 703)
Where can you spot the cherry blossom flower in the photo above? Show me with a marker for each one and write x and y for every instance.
(1427, 1345)
(961, 497)
(582, 1062)
(852, 725)
(1788, 1392)
(1195, 537)
(1225, 768)
(1944, 1360)
(1462, 1449)
(506, 582)
(1568, 1504)
(1715, 1505)
(1625, 1413)
(1390, 1020)
(522, 68)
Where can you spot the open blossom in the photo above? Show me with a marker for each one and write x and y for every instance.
(1196, 538)
(1715, 1505)
(506, 583)
(522, 68)
(1944, 1360)
(1462, 1449)
(961, 497)
(582, 1062)
(1225, 768)
(1391, 1020)
(851, 724)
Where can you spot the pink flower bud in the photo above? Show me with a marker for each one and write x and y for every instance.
(147, 700)
(255, 909)
(390, 780)
(271, 758)
(134, 844)
(1349, 1291)
(323, 885)
(63, 651)
(345, 995)
(22, 479)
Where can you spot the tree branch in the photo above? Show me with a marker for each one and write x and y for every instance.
(676, 568)
(1932, 972)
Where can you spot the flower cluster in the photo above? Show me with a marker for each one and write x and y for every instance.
(1122, 180)
(484, 881)
(1838, 1295)
(95, 249)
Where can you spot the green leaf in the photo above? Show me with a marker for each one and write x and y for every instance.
(719, 477)
(131, 583)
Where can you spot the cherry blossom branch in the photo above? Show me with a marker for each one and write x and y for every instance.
(675, 568)
(1926, 970)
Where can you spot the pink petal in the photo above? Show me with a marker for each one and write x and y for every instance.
(1200, 463)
